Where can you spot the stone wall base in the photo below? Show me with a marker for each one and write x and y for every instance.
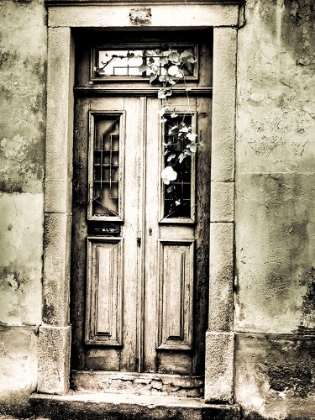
(54, 348)
(219, 367)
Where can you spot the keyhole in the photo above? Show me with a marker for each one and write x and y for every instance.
(150, 232)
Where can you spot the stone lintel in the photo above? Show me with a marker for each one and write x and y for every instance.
(162, 15)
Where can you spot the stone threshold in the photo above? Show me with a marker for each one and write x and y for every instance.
(108, 406)
(138, 383)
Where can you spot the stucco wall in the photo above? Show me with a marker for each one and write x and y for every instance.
(275, 217)
(22, 134)
(275, 220)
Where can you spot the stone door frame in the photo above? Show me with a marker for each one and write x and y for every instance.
(54, 344)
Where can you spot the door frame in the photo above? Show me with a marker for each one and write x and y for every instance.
(64, 16)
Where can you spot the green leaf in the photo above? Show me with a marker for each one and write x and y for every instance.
(143, 68)
(181, 157)
(174, 57)
(170, 189)
(175, 127)
(191, 59)
(153, 77)
(162, 111)
(171, 157)
(164, 78)
(192, 148)
(174, 115)
(161, 94)
(191, 136)
(164, 93)
(99, 70)
(185, 54)
(163, 61)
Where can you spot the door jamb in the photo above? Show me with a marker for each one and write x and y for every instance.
(54, 342)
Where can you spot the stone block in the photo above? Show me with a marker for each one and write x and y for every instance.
(54, 347)
(224, 96)
(221, 276)
(56, 269)
(59, 105)
(58, 196)
(219, 375)
(222, 202)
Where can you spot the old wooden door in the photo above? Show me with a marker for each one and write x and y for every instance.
(139, 264)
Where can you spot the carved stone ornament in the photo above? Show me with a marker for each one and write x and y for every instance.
(140, 16)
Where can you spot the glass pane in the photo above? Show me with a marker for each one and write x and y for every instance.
(126, 62)
(120, 62)
(177, 194)
(106, 166)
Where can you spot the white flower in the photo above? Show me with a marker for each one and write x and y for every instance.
(175, 71)
(168, 175)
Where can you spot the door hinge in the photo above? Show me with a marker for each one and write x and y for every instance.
(138, 242)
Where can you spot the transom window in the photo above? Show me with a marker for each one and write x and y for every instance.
(135, 62)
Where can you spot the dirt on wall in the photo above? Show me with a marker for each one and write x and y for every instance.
(22, 98)
(275, 219)
(23, 55)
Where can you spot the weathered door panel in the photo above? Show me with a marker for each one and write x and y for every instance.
(139, 278)
(140, 294)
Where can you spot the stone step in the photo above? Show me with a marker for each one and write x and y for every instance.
(153, 384)
(105, 406)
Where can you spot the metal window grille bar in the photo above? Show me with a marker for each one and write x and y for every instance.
(177, 203)
(106, 169)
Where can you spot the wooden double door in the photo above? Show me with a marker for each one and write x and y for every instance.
(139, 262)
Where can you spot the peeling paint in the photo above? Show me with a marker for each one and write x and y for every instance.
(21, 233)
(275, 221)
(279, 373)
(22, 80)
(18, 373)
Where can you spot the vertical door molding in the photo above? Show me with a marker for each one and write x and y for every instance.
(219, 374)
(55, 332)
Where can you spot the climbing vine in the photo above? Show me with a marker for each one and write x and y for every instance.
(168, 67)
